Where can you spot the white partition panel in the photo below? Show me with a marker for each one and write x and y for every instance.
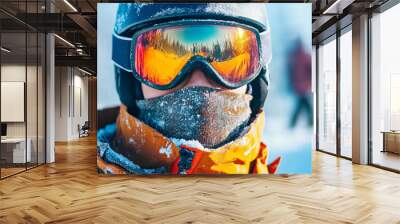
(12, 101)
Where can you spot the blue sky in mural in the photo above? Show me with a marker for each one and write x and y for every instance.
(205, 34)
(197, 33)
(289, 23)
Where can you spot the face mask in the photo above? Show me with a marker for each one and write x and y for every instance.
(212, 117)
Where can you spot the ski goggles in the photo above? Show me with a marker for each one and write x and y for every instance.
(164, 55)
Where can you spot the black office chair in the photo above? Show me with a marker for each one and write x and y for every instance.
(84, 130)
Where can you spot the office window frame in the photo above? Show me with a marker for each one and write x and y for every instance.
(326, 41)
(334, 37)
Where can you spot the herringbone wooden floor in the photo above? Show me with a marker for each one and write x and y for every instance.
(70, 191)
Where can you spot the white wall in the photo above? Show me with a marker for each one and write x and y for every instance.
(79, 117)
(11, 73)
(16, 73)
(71, 94)
(33, 126)
(61, 103)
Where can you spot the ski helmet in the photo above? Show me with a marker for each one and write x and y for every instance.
(132, 17)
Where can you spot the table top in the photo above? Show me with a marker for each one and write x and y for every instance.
(391, 132)
(13, 140)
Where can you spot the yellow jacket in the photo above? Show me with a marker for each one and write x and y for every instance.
(149, 149)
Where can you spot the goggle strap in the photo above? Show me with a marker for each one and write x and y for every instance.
(266, 48)
(121, 51)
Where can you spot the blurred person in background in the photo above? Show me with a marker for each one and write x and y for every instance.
(300, 79)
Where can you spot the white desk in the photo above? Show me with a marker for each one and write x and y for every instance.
(18, 155)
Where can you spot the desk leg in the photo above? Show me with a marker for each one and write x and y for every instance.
(384, 143)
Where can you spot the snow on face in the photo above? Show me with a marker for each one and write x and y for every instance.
(166, 150)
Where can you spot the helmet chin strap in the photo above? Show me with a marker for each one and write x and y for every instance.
(249, 90)
(129, 90)
(259, 91)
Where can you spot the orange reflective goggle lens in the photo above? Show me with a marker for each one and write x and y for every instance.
(161, 54)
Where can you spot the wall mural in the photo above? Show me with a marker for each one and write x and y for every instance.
(204, 88)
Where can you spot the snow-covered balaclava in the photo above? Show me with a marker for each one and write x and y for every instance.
(210, 116)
